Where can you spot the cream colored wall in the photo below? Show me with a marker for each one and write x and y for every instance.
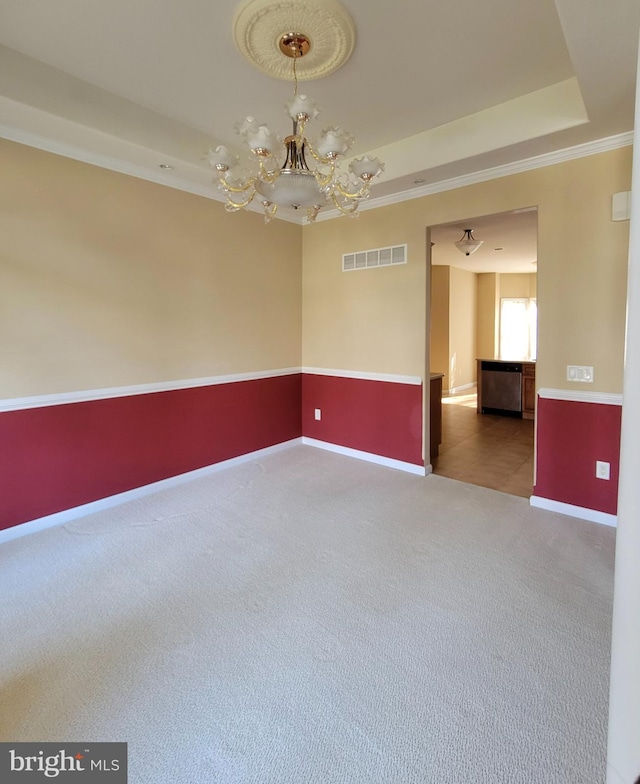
(487, 316)
(374, 320)
(582, 269)
(440, 322)
(462, 328)
(517, 285)
(107, 280)
(366, 319)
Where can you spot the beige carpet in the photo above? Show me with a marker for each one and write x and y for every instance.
(310, 618)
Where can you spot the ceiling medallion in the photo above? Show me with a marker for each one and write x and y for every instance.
(282, 177)
(259, 26)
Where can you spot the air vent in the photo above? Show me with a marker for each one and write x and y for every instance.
(377, 257)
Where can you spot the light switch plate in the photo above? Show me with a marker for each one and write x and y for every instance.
(582, 373)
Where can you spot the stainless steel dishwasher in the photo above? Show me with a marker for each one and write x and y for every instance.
(501, 388)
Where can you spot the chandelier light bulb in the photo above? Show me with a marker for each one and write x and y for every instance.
(366, 167)
(300, 107)
(333, 142)
(221, 159)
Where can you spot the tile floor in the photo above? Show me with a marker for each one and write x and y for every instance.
(485, 449)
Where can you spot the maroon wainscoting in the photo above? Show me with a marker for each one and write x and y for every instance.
(379, 417)
(58, 457)
(571, 436)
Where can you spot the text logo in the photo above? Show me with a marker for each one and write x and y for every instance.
(79, 763)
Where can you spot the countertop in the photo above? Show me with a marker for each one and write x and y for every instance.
(510, 361)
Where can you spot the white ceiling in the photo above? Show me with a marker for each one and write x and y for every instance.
(438, 89)
(509, 242)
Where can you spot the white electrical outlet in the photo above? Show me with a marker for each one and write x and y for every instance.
(603, 470)
(318, 414)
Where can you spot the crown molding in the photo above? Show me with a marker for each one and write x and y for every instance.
(105, 161)
(209, 192)
(122, 167)
(494, 173)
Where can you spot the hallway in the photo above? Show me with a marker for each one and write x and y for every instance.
(485, 449)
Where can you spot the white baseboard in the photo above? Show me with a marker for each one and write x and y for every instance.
(457, 390)
(410, 468)
(591, 515)
(16, 531)
(41, 523)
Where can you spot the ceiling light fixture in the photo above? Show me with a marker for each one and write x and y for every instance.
(287, 180)
(468, 244)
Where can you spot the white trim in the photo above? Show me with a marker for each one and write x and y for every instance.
(389, 462)
(83, 396)
(40, 524)
(455, 390)
(120, 166)
(592, 515)
(59, 518)
(209, 192)
(365, 376)
(103, 161)
(578, 396)
(86, 395)
(516, 167)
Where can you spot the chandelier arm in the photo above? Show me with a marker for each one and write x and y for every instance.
(265, 174)
(321, 178)
(269, 210)
(325, 179)
(351, 209)
(324, 161)
(233, 206)
(359, 194)
(237, 188)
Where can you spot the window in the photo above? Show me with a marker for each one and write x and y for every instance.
(518, 328)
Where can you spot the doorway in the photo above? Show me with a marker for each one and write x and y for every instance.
(472, 296)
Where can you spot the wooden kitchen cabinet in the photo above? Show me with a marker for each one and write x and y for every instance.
(528, 390)
(435, 419)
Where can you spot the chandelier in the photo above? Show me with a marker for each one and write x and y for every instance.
(468, 244)
(283, 177)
